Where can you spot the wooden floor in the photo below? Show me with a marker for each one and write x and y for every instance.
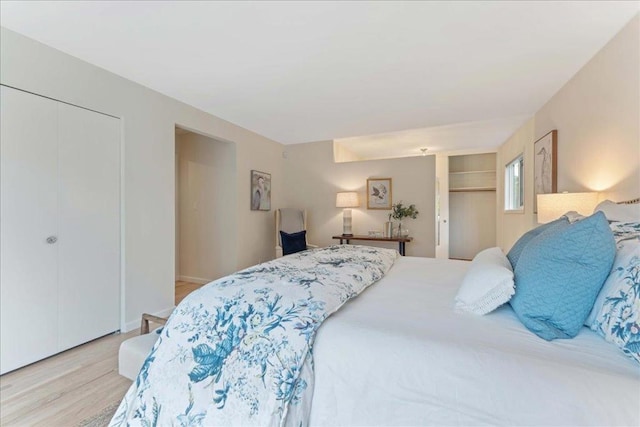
(70, 387)
(183, 289)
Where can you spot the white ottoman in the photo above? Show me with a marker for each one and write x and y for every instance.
(133, 353)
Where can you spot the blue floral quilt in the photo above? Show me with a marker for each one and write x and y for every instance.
(239, 350)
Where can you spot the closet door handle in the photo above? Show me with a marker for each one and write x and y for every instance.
(52, 239)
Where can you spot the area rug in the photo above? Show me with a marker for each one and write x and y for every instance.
(102, 418)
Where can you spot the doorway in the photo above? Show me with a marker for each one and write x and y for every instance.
(205, 202)
(465, 204)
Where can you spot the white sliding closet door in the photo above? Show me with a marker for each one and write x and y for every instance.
(28, 216)
(89, 243)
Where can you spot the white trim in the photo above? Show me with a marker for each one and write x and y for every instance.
(198, 280)
(123, 272)
(135, 324)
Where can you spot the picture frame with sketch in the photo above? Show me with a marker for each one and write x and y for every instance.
(379, 194)
(545, 166)
(260, 191)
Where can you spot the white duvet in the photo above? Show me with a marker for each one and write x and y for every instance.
(399, 355)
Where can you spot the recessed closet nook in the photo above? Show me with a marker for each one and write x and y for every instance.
(466, 205)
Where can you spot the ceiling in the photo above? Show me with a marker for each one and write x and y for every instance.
(309, 71)
(467, 136)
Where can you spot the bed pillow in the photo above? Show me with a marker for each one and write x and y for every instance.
(625, 231)
(627, 237)
(293, 242)
(488, 283)
(559, 275)
(619, 212)
(618, 317)
(514, 254)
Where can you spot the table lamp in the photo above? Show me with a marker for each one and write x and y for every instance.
(347, 200)
(552, 206)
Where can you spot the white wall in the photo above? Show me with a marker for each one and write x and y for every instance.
(343, 154)
(313, 179)
(597, 115)
(511, 225)
(148, 126)
(206, 195)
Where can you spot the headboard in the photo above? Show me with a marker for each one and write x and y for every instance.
(630, 202)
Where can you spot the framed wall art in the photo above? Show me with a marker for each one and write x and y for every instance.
(379, 193)
(545, 166)
(260, 191)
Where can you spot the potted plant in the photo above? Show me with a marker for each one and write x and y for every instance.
(400, 212)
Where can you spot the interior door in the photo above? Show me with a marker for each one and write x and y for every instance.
(28, 218)
(89, 244)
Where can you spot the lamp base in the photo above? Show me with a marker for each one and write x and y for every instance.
(346, 223)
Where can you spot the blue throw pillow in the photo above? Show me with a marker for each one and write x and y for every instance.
(559, 275)
(293, 242)
(518, 247)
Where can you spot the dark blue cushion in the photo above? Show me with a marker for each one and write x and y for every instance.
(559, 275)
(523, 241)
(293, 242)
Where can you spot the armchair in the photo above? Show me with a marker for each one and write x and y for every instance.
(290, 221)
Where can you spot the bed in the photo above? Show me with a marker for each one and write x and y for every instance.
(400, 355)
(395, 352)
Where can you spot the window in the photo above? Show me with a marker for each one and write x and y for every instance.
(514, 185)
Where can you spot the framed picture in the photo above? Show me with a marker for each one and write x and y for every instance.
(260, 191)
(379, 193)
(545, 166)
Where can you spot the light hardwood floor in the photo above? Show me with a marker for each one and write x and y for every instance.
(183, 289)
(70, 387)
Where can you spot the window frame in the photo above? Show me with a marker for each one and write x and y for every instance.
(511, 172)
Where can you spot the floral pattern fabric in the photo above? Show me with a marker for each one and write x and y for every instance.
(618, 320)
(623, 231)
(239, 350)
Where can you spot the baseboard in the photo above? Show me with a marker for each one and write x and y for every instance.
(135, 324)
(198, 280)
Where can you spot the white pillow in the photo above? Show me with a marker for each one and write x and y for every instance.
(573, 216)
(616, 212)
(488, 283)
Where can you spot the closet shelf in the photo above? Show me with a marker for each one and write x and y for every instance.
(470, 189)
(471, 172)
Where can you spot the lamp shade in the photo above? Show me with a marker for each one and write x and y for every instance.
(347, 200)
(552, 206)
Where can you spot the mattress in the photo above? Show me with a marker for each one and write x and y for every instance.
(400, 355)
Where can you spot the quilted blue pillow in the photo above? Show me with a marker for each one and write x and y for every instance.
(518, 247)
(559, 275)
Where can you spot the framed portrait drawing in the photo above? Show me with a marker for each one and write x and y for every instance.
(379, 193)
(260, 191)
(545, 166)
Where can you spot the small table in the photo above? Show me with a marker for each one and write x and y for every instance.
(401, 240)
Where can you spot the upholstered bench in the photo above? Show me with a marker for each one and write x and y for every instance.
(134, 351)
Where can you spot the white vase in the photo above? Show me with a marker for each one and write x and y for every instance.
(388, 229)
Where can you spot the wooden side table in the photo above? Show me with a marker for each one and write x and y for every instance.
(401, 240)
